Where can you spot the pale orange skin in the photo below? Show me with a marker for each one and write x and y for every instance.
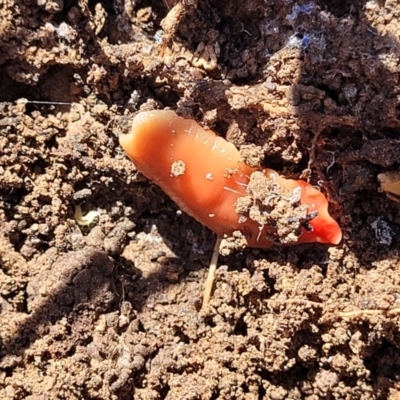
(206, 191)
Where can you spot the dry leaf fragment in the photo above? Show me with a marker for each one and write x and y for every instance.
(390, 184)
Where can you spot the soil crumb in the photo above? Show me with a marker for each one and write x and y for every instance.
(274, 207)
(178, 168)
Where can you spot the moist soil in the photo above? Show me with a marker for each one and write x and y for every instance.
(107, 305)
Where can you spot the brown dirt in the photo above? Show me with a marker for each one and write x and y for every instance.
(111, 310)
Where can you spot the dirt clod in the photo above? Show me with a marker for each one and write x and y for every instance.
(270, 205)
(178, 168)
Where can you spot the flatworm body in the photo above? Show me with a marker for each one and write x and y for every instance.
(204, 175)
